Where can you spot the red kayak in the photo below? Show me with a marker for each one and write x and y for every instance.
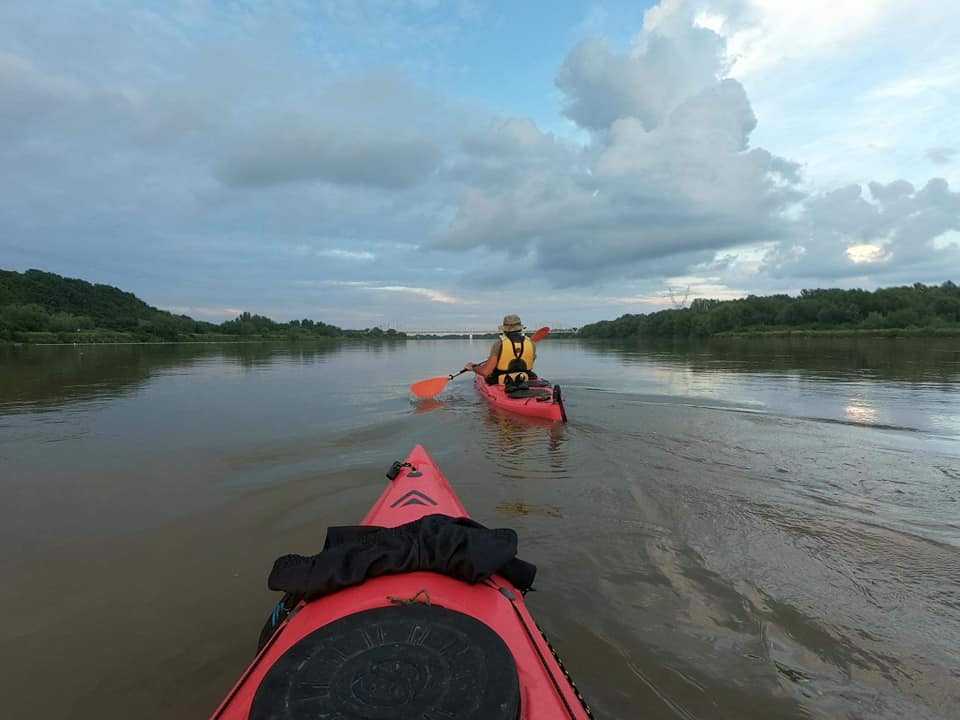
(541, 400)
(411, 646)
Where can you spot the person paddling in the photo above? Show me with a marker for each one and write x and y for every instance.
(511, 358)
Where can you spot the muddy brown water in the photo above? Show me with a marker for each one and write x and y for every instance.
(738, 529)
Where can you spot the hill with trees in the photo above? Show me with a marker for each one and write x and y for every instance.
(42, 307)
(914, 309)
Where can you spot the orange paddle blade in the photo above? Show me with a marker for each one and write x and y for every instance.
(540, 334)
(429, 388)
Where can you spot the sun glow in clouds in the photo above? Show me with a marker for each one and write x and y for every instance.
(866, 253)
(437, 296)
(710, 21)
(432, 295)
(340, 254)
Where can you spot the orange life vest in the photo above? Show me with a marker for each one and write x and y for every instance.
(517, 356)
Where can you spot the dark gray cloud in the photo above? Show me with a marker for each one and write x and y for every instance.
(506, 138)
(27, 93)
(941, 155)
(374, 129)
(338, 155)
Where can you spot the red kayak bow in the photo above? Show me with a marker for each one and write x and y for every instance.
(411, 646)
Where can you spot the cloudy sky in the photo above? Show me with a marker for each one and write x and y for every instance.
(423, 164)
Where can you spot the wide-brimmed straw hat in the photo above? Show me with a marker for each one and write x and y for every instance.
(511, 323)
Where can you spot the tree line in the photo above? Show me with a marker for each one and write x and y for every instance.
(37, 306)
(918, 307)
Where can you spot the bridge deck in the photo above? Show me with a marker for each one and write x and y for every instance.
(487, 331)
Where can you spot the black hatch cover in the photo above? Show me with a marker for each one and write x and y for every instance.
(404, 662)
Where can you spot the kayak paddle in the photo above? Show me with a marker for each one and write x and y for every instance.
(540, 334)
(432, 386)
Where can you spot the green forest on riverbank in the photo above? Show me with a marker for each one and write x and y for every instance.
(42, 307)
(909, 310)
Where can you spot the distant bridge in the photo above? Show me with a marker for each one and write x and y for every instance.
(485, 331)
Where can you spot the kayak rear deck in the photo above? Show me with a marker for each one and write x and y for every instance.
(548, 408)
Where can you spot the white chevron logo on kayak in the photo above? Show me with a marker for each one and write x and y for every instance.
(414, 497)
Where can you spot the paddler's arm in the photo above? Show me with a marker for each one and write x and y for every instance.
(489, 365)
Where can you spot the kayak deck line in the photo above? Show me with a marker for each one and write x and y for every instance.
(413, 644)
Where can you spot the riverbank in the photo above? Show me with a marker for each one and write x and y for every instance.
(945, 332)
(120, 338)
(926, 332)
(41, 308)
(914, 310)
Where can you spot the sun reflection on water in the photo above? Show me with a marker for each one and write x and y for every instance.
(861, 411)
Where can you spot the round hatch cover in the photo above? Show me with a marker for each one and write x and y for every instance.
(404, 662)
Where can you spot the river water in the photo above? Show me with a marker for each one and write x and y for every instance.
(739, 529)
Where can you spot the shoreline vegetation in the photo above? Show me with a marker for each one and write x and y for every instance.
(848, 333)
(42, 308)
(909, 311)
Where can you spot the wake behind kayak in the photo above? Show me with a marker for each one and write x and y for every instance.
(416, 614)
